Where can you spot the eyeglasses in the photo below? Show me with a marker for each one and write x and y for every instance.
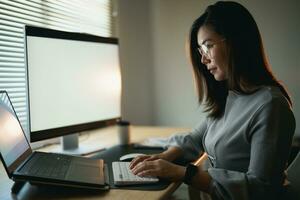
(204, 49)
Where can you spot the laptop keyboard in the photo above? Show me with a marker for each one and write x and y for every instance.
(49, 166)
(124, 176)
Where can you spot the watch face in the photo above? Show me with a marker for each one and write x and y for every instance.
(190, 172)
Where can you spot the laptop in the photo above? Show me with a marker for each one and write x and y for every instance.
(22, 164)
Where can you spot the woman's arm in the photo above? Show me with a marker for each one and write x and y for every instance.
(171, 154)
(186, 146)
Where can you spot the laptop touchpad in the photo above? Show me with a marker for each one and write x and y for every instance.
(84, 173)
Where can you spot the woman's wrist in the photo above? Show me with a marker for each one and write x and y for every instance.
(190, 171)
(181, 170)
(171, 154)
(164, 156)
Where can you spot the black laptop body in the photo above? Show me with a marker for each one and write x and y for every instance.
(22, 164)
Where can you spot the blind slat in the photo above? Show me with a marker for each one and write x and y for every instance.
(11, 49)
(7, 85)
(6, 64)
(13, 75)
(10, 34)
(11, 24)
(11, 39)
(11, 29)
(11, 59)
(18, 99)
(11, 44)
(11, 54)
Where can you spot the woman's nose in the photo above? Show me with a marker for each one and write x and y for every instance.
(204, 59)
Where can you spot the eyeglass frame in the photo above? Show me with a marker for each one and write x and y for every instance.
(205, 46)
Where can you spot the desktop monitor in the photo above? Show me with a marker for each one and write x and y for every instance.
(73, 80)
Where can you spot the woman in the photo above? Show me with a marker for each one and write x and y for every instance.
(248, 132)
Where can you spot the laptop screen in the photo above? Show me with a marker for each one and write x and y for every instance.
(13, 143)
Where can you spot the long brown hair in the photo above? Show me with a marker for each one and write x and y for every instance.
(248, 68)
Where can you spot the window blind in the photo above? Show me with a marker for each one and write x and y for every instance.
(89, 16)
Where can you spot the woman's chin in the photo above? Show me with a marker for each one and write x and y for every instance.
(219, 78)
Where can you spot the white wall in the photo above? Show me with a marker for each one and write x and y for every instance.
(175, 100)
(136, 60)
(158, 86)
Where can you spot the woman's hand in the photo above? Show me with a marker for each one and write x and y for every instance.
(159, 165)
(170, 154)
(142, 158)
(149, 166)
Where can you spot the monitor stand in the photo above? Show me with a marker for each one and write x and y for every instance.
(71, 145)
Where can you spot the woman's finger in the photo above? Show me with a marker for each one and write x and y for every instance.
(149, 172)
(137, 160)
(145, 165)
(152, 157)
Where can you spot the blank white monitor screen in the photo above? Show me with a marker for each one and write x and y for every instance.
(72, 82)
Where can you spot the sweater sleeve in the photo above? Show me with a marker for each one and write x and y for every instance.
(190, 143)
(270, 134)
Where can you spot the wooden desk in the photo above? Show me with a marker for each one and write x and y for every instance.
(106, 138)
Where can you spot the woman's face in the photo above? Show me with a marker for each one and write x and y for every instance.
(212, 47)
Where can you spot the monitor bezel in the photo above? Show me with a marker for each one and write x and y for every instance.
(66, 130)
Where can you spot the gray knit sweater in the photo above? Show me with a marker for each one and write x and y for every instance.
(248, 146)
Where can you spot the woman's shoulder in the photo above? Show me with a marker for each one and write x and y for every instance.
(262, 94)
(274, 108)
(269, 98)
(271, 94)
(266, 95)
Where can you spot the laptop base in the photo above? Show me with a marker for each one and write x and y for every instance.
(17, 186)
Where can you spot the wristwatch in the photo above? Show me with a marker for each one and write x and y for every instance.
(190, 172)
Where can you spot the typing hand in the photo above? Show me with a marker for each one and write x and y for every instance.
(142, 158)
(159, 168)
